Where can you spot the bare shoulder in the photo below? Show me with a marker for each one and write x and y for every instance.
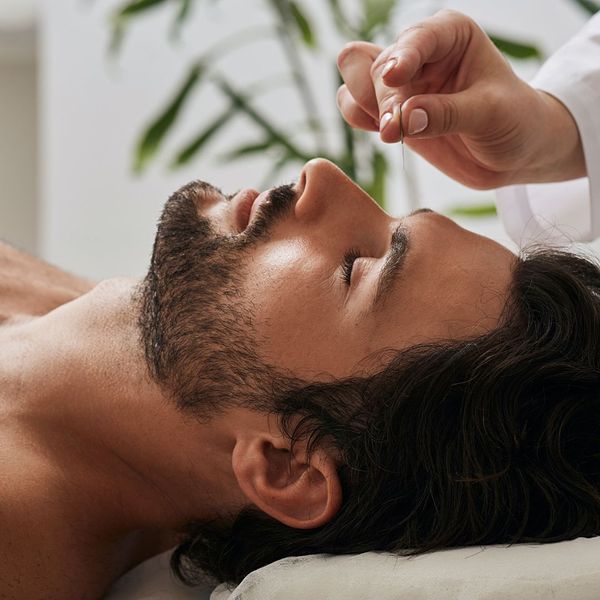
(50, 548)
(37, 549)
(30, 286)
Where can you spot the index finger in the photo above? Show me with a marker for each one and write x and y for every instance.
(354, 63)
(428, 41)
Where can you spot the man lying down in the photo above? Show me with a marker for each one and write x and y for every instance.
(299, 372)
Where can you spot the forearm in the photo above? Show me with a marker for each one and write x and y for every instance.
(570, 80)
(556, 148)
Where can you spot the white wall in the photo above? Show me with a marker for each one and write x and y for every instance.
(18, 146)
(97, 219)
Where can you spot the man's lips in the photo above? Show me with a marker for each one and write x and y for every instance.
(245, 205)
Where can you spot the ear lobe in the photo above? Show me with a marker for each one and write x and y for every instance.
(298, 492)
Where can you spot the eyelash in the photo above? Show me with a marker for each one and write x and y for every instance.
(348, 263)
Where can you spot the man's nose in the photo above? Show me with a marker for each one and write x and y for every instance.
(325, 188)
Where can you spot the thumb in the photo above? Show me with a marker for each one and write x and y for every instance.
(433, 115)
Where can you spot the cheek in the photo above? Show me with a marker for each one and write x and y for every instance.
(296, 310)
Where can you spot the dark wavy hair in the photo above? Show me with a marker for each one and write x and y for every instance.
(492, 440)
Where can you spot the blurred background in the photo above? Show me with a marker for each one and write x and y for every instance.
(107, 106)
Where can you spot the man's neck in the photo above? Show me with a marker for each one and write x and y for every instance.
(75, 386)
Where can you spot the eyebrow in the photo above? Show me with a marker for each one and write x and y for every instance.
(392, 266)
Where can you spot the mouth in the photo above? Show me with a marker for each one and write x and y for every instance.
(246, 204)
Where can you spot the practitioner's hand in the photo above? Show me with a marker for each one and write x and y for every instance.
(463, 108)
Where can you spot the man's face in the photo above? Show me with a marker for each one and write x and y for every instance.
(414, 279)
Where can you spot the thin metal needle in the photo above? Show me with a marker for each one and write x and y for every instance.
(401, 135)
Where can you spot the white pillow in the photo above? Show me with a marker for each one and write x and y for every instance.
(153, 580)
(561, 571)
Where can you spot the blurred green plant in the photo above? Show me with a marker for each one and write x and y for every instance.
(590, 6)
(473, 210)
(292, 27)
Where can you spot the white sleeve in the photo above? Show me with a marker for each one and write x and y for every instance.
(570, 210)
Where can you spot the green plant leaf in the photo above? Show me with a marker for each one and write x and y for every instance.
(516, 49)
(248, 149)
(376, 187)
(117, 35)
(137, 6)
(376, 13)
(182, 15)
(153, 136)
(487, 209)
(201, 139)
(340, 20)
(121, 17)
(588, 5)
(303, 25)
(347, 161)
(271, 131)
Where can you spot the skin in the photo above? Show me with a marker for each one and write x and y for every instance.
(113, 469)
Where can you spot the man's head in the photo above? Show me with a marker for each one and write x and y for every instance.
(285, 277)
(401, 405)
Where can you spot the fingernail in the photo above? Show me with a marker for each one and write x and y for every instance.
(389, 66)
(385, 119)
(417, 121)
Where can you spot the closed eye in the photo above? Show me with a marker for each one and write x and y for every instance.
(348, 263)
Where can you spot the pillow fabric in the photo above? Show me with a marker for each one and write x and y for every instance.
(153, 580)
(560, 571)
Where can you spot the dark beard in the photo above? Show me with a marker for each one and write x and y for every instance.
(196, 326)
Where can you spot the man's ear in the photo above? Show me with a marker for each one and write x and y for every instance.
(300, 492)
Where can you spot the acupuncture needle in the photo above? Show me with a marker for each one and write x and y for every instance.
(401, 134)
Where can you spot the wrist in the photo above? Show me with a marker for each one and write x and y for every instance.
(557, 154)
